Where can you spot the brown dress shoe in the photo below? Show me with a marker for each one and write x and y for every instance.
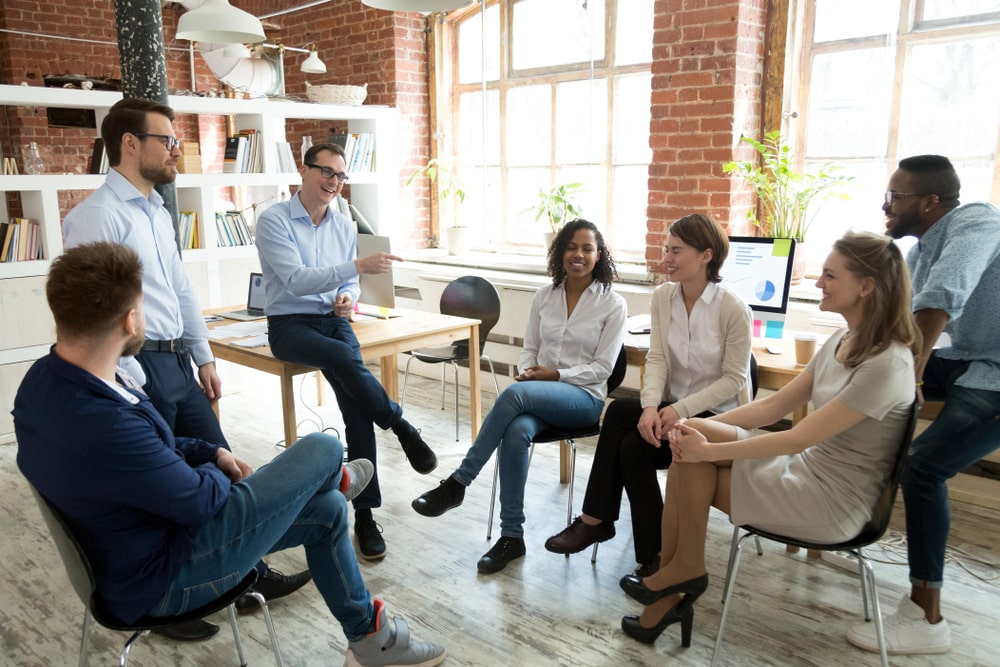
(578, 536)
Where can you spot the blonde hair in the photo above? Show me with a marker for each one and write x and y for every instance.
(886, 311)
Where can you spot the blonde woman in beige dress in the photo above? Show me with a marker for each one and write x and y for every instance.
(817, 480)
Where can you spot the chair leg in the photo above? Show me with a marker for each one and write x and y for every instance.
(493, 499)
(270, 627)
(864, 583)
(496, 385)
(593, 554)
(442, 386)
(123, 656)
(236, 635)
(406, 376)
(572, 477)
(876, 608)
(455, 368)
(84, 641)
(731, 570)
(732, 550)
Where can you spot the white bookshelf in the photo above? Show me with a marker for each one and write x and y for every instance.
(217, 274)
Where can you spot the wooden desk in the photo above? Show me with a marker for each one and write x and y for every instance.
(381, 339)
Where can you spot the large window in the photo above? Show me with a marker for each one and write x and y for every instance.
(885, 80)
(548, 92)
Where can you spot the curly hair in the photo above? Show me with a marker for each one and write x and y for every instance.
(605, 270)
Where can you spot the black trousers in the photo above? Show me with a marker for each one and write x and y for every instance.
(624, 461)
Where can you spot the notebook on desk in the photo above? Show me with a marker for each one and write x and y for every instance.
(378, 291)
(255, 302)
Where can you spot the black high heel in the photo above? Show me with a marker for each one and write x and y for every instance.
(635, 589)
(683, 612)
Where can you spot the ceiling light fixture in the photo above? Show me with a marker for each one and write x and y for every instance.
(418, 5)
(312, 64)
(219, 22)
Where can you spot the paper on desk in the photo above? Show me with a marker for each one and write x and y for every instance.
(260, 340)
(238, 330)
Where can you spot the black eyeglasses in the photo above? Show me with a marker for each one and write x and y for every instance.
(329, 173)
(169, 142)
(893, 196)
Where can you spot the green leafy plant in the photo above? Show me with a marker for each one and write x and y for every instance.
(449, 184)
(783, 192)
(559, 205)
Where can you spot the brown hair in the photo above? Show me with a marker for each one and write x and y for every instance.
(703, 233)
(91, 287)
(886, 316)
(128, 116)
(315, 149)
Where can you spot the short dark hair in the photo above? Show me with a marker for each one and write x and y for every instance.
(128, 116)
(315, 149)
(91, 287)
(605, 270)
(703, 233)
(933, 175)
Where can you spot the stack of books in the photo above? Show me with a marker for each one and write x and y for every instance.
(232, 230)
(188, 230)
(190, 160)
(242, 154)
(20, 240)
(359, 148)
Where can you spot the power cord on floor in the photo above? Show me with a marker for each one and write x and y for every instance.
(318, 424)
(893, 548)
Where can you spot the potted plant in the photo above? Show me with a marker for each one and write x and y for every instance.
(558, 206)
(784, 194)
(449, 188)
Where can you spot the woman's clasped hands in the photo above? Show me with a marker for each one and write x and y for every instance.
(687, 444)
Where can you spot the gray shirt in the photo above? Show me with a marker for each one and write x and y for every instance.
(955, 268)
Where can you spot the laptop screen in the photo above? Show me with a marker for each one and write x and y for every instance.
(255, 297)
(376, 289)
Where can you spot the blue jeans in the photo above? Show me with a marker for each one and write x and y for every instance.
(329, 343)
(522, 410)
(967, 429)
(291, 501)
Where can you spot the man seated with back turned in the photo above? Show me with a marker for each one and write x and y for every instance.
(955, 267)
(168, 522)
(308, 254)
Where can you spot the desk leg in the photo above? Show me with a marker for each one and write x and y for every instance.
(390, 376)
(475, 398)
(288, 409)
(320, 388)
(563, 462)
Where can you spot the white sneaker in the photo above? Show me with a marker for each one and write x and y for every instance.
(360, 472)
(907, 632)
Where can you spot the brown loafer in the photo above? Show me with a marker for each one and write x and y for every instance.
(578, 536)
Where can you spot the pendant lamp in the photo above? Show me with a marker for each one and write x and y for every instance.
(312, 64)
(219, 22)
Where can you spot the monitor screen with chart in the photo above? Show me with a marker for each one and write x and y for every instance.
(759, 270)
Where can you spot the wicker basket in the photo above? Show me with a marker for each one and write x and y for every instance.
(351, 96)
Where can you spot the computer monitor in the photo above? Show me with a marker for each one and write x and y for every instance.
(759, 270)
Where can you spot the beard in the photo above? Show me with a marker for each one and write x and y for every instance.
(159, 174)
(906, 224)
(133, 345)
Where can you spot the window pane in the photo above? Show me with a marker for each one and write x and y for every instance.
(528, 122)
(631, 112)
(522, 194)
(951, 100)
(594, 196)
(628, 203)
(948, 9)
(582, 121)
(470, 128)
(634, 32)
(484, 220)
(557, 32)
(862, 210)
(844, 19)
(470, 55)
(849, 98)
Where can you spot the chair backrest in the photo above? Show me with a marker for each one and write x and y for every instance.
(81, 576)
(618, 372)
(882, 511)
(754, 376)
(475, 297)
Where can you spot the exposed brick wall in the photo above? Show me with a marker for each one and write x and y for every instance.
(706, 93)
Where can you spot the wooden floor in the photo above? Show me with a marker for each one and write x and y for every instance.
(542, 610)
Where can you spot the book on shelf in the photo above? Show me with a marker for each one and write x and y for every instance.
(7, 232)
(339, 138)
(234, 155)
(252, 164)
(286, 159)
(188, 229)
(20, 240)
(98, 159)
(232, 229)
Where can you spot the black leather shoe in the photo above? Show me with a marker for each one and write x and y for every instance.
(578, 536)
(448, 495)
(273, 584)
(504, 551)
(370, 542)
(684, 612)
(191, 631)
(420, 456)
(635, 589)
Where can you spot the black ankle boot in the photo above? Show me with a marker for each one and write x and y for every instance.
(449, 494)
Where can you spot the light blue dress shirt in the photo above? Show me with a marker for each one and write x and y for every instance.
(955, 268)
(117, 212)
(306, 266)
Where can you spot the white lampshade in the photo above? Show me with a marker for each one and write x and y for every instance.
(312, 64)
(418, 5)
(236, 50)
(219, 22)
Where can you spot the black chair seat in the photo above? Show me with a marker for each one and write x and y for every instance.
(437, 355)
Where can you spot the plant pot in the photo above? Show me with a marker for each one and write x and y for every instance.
(459, 240)
(798, 263)
(549, 238)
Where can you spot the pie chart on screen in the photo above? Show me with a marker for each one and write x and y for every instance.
(765, 290)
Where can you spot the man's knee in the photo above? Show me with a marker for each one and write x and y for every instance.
(324, 450)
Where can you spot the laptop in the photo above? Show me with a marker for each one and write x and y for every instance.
(255, 302)
(378, 291)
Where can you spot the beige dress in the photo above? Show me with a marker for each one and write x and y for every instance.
(825, 493)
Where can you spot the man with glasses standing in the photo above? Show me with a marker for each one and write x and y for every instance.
(955, 268)
(142, 153)
(308, 254)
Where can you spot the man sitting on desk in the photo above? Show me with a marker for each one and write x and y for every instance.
(169, 523)
(309, 259)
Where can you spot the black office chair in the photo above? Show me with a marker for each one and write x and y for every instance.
(870, 533)
(468, 296)
(81, 576)
(553, 434)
